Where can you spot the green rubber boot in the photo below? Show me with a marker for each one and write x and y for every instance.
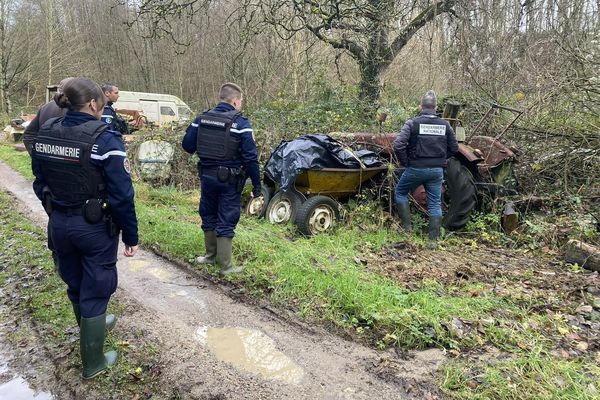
(210, 243)
(93, 358)
(224, 251)
(434, 231)
(111, 320)
(404, 214)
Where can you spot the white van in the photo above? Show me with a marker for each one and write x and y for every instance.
(158, 108)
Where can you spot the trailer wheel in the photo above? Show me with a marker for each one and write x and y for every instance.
(283, 206)
(257, 206)
(317, 215)
(461, 194)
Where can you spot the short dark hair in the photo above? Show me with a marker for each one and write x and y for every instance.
(429, 99)
(108, 87)
(229, 91)
(77, 92)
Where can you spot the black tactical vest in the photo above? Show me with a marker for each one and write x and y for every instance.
(64, 156)
(214, 141)
(428, 138)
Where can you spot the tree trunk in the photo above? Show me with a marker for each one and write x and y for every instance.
(3, 55)
(50, 39)
(370, 86)
(374, 63)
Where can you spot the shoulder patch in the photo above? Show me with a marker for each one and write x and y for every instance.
(108, 119)
(126, 165)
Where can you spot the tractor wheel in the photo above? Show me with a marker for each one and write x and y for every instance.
(257, 206)
(461, 194)
(283, 206)
(318, 214)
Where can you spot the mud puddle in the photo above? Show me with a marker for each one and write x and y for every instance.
(252, 351)
(263, 357)
(15, 387)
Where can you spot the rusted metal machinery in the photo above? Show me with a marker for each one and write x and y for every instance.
(483, 166)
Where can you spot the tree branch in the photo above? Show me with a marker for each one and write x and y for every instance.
(417, 23)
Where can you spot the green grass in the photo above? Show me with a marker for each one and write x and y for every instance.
(319, 279)
(527, 376)
(18, 160)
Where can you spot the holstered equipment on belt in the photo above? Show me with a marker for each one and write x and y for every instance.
(235, 176)
(47, 200)
(94, 210)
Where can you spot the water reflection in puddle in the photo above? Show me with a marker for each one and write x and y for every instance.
(143, 265)
(179, 293)
(250, 350)
(136, 265)
(18, 389)
(161, 274)
(14, 387)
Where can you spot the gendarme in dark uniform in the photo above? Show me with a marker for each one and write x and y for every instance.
(224, 141)
(109, 115)
(82, 177)
(423, 146)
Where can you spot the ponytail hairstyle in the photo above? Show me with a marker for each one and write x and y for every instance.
(77, 92)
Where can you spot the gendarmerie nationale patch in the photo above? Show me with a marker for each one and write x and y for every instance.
(126, 165)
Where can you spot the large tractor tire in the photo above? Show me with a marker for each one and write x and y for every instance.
(317, 215)
(461, 195)
(283, 206)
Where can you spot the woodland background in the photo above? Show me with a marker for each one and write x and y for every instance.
(310, 65)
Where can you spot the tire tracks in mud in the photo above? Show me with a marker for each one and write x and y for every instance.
(214, 345)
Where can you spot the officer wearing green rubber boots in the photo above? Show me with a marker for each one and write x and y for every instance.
(223, 139)
(82, 179)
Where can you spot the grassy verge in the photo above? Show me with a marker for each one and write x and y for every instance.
(528, 376)
(37, 293)
(508, 309)
(19, 161)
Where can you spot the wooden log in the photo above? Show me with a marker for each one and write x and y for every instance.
(584, 254)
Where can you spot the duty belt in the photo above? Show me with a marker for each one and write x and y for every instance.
(67, 210)
(212, 171)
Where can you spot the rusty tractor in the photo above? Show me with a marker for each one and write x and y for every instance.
(483, 166)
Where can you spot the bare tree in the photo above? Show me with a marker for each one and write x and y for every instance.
(372, 32)
(12, 63)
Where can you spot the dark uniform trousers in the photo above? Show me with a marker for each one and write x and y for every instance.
(219, 205)
(87, 258)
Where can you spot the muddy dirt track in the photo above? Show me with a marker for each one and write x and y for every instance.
(213, 346)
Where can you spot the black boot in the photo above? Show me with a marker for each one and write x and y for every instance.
(404, 214)
(111, 320)
(224, 251)
(93, 358)
(210, 243)
(434, 231)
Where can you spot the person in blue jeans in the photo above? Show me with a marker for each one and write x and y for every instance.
(423, 147)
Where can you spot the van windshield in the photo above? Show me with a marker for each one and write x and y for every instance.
(184, 113)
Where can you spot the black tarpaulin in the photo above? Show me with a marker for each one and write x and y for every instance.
(313, 152)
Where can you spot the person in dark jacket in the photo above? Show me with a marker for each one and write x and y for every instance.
(224, 141)
(82, 177)
(109, 115)
(423, 147)
(47, 111)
